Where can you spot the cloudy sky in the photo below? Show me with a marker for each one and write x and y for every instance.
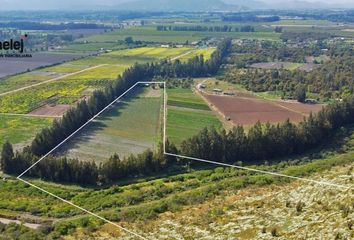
(77, 4)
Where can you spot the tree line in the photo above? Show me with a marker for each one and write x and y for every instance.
(68, 170)
(269, 142)
(46, 26)
(248, 17)
(199, 28)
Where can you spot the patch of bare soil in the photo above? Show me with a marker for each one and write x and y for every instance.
(51, 110)
(248, 111)
(154, 93)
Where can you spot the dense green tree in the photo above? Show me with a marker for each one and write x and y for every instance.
(7, 155)
(300, 93)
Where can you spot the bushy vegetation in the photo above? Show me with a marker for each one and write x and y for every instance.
(333, 79)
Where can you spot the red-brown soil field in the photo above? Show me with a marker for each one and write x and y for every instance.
(248, 111)
(301, 107)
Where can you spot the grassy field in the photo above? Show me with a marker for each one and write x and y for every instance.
(71, 88)
(63, 91)
(187, 114)
(206, 52)
(134, 55)
(90, 47)
(185, 98)
(20, 129)
(183, 124)
(130, 127)
(22, 80)
(64, 68)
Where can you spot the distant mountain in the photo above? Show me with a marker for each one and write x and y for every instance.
(297, 4)
(252, 4)
(180, 5)
(172, 5)
(304, 4)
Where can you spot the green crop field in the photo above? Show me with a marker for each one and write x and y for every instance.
(182, 124)
(150, 34)
(206, 52)
(63, 91)
(131, 127)
(64, 68)
(69, 89)
(187, 114)
(22, 80)
(89, 47)
(20, 129)
(185, 98)
(133, 55)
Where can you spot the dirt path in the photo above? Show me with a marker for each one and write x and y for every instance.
(252, 96)
(182, 55)
(29, 225)
(226, 124)
(51, 80)
(287, 108)
(29, 115)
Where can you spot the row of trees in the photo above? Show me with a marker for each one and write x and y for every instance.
(47, 26)
(62, 169)
(248, 17)
(270, 141)
(199, 28)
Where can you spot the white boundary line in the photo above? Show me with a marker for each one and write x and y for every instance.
(262, 171)
(165, 153)
(51, 80)
(71, 135)
(246, 168)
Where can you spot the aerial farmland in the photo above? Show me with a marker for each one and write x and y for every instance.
(165, 120)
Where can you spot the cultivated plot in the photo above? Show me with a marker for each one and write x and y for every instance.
(187, 115)
(67, 83)
(19, 130)
(11, 66)
(150, 34)
(130, 126)
(241, 107)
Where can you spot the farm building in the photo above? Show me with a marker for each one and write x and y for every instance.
(202, 86)
(217, 91)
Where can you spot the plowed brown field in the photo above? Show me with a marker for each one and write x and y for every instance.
(248, 111)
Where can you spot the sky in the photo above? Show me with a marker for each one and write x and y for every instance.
(77, 4)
